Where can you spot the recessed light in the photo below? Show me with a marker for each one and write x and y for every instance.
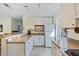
(38, 5)
(25, 6)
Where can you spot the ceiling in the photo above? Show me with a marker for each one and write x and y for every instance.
(28, 9)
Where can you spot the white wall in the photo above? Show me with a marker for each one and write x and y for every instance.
(6, 22)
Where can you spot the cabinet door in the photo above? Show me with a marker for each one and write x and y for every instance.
(29, 46)
(15, 49)
(27, 49)
(39, 41)
(77, 9)
(36, 41)
(67, 15)
(48, 39)
(47, 21)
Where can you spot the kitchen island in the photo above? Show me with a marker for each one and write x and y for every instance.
(22, 44)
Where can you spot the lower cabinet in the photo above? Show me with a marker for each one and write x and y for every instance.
(21, 49)
(34, 41)
(38, 40)
(29, 47)
(48, 39)
(15, 49)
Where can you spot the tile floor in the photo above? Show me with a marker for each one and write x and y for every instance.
(41, 51)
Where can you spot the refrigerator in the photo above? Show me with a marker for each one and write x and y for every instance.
(48, 38)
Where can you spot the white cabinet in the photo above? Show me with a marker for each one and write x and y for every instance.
(77, 9)
(15, 49)
(38, 40)
(48, 21)
(67, 14)
(27, 49)
(34, 41)
(29, 46)
(29, 22)
(73, 35)
(48, 39)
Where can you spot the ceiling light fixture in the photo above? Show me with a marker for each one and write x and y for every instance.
(25, 6)
(7, 5)
(38, 5)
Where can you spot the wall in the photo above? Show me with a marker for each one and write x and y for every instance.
(6, 22)
(29, 22)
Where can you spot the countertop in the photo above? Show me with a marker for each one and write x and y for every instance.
(61, 51)
(20, 38)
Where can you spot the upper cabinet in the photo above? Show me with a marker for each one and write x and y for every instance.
(30, 22)
(67, 14)
(77, 14)
(77, 9)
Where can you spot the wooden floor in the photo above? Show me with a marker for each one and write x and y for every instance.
(73, 44)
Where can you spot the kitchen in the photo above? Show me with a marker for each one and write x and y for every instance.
(36, 39)
(35, 35)
(34, 24)
(38, 29)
